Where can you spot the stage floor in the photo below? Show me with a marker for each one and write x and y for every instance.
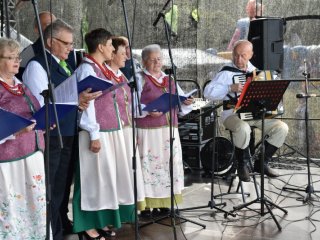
(302, 221)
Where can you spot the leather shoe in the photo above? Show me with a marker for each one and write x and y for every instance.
(267, 170)
(146, 214)
(67, 227)
(243, 173)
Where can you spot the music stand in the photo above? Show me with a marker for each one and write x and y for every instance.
(259, 97)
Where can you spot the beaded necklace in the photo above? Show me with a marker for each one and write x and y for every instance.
(15, 90)
(164, 83)
(114, 76)
(106, 72)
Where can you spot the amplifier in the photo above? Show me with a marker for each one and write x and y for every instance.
(198, 129)
(191, 155)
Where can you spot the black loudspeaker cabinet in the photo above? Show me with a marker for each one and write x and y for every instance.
(266, 35)
(198, 129)
(191, 154)
(195, 134)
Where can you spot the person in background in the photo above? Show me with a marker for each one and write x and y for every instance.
(22, 177)
(58, 38)
(127, 69)
(153, 131)
(222, 87)
(253, 9)
(46, 18)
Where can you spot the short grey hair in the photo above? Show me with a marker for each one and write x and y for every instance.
(149, 49)
(8, 43)
(55, 28)
(242, 42)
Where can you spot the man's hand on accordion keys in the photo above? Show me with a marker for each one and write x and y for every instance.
(237, 87)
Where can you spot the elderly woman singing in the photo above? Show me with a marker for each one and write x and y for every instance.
(22, 188)
(154, 136)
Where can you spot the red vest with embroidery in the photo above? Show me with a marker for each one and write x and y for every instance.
(123, 100)
(26, 143)
(149, 93)
(105, 106)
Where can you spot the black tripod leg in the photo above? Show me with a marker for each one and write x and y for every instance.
(276, 206)
(188, 220)
(239, 207)
(193, 208)
(272, 215)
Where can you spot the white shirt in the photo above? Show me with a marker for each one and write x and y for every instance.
(219, 87)
(88, 119)
(36, 78)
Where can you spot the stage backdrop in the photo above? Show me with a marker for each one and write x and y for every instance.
(202, 31)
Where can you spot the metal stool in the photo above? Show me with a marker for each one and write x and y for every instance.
(253, 154)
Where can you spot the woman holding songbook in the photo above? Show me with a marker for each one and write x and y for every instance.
(154, 135)
(103, 192)
(22, 178)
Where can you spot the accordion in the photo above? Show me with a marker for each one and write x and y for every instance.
(256, 76)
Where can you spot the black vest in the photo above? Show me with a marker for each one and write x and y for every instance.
(68, 125)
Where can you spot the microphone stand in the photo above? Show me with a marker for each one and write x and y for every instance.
(309, 189)
(171, 72)
(48, 95)
(211, 204)
(134, 92)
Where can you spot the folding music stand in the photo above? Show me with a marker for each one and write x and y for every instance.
(259, 97)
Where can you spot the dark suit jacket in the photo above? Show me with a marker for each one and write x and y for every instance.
(68, 125)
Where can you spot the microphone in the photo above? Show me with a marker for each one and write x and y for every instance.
(161, 14)
(301, 95)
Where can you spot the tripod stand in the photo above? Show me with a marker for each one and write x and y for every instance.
(48, 96)
(309, 189)
(211, 204)
(259, 97)
(172, 215)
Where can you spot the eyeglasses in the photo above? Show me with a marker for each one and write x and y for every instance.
(67, 44)
(15, 59)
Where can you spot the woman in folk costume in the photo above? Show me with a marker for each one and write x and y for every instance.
(22, 188)
(154, 135)
(103, 192)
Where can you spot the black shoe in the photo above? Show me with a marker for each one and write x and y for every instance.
(85, 236)
(164, 211)
(107, 233)
(67, 227)
(267, 170)
(243, 173)
(155, 212)
(146, 214)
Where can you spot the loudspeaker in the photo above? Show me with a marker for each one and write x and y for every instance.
(266, 35)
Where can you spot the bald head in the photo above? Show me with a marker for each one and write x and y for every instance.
(242, 53)
(45, 20)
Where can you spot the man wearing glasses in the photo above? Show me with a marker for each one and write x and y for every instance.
(58, 40)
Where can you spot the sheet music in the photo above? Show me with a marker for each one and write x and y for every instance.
(11, 123)
(67, 91)
(190, 93)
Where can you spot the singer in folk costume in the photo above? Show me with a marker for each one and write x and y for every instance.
(154, 136)
(104, 193)
(22, 177)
